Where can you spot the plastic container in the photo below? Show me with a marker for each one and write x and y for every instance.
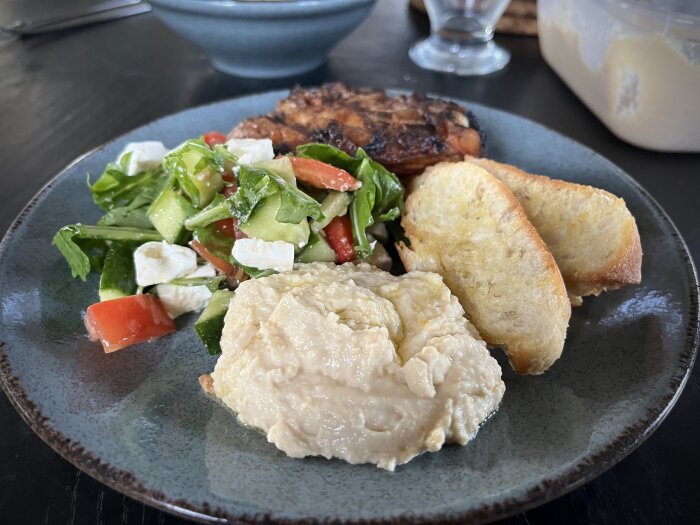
(635, 64)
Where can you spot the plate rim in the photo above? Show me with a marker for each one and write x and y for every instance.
(547, 489)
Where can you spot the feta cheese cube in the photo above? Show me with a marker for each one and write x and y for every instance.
(178, 299)
(249, 151)
(264, 255)
(204, 270)
(160, 262)
(144, 156)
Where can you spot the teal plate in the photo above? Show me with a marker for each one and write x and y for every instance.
(137, 421)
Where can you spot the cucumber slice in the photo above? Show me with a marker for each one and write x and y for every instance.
(201, 175)
(263, 225)
(282, 167)
(168, 214)
(336, 203)
(318, 250)
(211, 322)
(118, 274)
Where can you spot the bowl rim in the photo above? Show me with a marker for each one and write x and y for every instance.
(253, 6)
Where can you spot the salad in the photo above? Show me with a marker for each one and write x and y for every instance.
(183, 227)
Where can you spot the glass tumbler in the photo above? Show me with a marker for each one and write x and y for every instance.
(461, 37)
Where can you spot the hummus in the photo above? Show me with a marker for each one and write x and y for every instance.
(352, 362)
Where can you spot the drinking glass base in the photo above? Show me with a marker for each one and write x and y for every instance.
(472, 59)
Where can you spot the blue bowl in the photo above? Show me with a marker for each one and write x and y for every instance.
(264, 39)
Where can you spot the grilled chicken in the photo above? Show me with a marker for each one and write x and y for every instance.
(405, 134)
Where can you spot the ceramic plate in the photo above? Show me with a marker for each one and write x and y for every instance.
(137, 421)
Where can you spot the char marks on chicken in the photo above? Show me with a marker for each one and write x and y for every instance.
(406, 133)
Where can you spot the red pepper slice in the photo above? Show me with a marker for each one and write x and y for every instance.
(321, 175)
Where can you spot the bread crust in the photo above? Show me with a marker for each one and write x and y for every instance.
(616, 269)
(535, 338)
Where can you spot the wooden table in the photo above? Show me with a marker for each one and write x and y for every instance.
(64, 94)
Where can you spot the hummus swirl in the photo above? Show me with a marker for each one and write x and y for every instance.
(352, 362)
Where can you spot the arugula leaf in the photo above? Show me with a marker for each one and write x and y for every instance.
(96, 252)
(255, 273)
(74, 255)
(219, 208)
(135, 213)
(135, 217)
(361, 207)
(330, 155)
(254, 185)
(114, 233)
(389, 191)
(115, 188)
(212, 283)
(379, 199)
(82, 245)
(295, 205)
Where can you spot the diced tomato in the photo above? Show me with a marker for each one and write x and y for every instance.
(214, 137)
(229, 190)
(228, 177)
(218, 263)
(121, 322)
(339, 237)
(229, 227)
(225, 226)
(321, 175)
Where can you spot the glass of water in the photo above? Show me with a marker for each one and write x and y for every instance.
(461, 37)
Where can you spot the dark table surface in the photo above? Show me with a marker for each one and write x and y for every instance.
(64, 94)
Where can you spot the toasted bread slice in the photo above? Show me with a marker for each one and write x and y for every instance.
(466, 225)
(590, 232)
